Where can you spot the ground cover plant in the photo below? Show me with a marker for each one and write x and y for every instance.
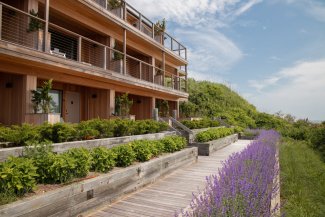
(65, 132)
(244, 186)
(302, 180)
(213, 134)
(199, 124)
(19, 176)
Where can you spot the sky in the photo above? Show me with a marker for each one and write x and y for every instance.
(272, 52)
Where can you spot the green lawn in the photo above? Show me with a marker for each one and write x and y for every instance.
(302, 180)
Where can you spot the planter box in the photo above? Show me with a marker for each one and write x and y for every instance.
(38, 119)
(244, 137)
(109, 143)
(79, 197)
(206, 148)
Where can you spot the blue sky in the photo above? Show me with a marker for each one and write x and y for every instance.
(272, 52)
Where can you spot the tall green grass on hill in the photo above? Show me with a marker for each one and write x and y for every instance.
(302, 180)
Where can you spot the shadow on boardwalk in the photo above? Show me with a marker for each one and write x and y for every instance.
(171, 193)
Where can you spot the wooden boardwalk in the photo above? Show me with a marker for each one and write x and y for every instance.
(173, 192)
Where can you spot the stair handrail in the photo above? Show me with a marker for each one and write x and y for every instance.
(182, 126)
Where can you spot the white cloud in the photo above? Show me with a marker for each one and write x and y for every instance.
(210, 53)
(298, 90)
(194, 12)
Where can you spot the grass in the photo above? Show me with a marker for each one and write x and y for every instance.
(302, 180)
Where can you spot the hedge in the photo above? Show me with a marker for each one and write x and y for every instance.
(65, 132)
(213, 134)
(20, 175)
(199, 124)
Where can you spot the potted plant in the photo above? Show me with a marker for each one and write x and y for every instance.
(114, 4)
(160, 27)
(42, 105)
(123, 106)
(163, 108)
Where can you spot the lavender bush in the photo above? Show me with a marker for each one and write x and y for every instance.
(244, 185)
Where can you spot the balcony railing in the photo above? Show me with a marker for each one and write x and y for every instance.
(128, 13)
(21, 28)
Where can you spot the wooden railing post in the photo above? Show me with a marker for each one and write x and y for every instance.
(105, 58)
(79, 48)
(46, 29)
(163, 66)
(140, 69)
(140, 22)
(124, 11)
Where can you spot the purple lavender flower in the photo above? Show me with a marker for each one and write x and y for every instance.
(244, 185)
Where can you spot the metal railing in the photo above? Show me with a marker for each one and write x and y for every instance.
(128, 13)
(26, 30)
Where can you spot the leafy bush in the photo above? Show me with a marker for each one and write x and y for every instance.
(199, 124)
(83, 160)
(103, 159)
(142, 150)
(317, 139)
(64, 132)
(53, 168)
(18, 175)
(19, 135)
(170, 145)
(125, 155)
(87, 131)
(213, 134)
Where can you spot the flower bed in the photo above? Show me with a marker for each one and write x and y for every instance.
(86, 130)
(245, 185)
(20, 175)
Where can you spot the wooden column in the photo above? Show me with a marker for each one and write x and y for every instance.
(124, 52)
(46, 29)
(111, 102)
(29, 84)
(163, 67)
(0, 20)
(186, 85)
(177, 109)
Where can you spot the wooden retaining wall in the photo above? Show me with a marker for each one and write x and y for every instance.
(206, 148)
(80, 197)
(109, 143)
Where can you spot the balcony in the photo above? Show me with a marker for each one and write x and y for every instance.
(132, 16)
(23, 29)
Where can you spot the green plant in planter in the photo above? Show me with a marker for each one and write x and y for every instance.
(163, 108)
(117, 55)
(113, 4)
(41, 98)
(123, 104)
(34, 24)
(160, 26)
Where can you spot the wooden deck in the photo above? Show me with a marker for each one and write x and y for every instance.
(171, 193)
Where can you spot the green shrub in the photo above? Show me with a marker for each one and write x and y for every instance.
(18, 176)
(54, 168)
(125, 155)
(170, 145)
(213, 134)
(20, 135)
(63, 132)
(142, 150)
(317, 139)
(103, 159)
(87, 130)
(123, 127)
(63, 168)
(157, 147)
(199, 124)
(83, 160)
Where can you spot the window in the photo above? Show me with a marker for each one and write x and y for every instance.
(56, 103)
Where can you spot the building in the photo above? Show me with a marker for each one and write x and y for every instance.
(94, 50)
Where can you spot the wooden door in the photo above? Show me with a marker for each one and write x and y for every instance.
(72, 113)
